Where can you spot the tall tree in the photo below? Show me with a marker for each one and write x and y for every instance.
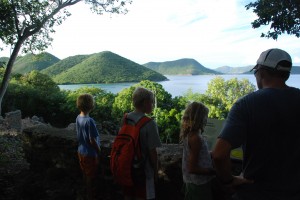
(27, 25)
(282, 16)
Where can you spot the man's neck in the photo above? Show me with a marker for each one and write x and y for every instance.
(274, 83)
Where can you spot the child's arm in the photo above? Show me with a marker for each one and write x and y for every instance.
(193, 167)
(95, 144)
(154, 162)
(94, 137)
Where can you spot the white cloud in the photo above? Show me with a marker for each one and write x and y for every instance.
(214, 32)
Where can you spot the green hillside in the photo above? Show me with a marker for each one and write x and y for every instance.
(234, 70)
(64, 65)
(31, 62)
(107, 67)
(246, 70)
(4, 59)
(183, 66)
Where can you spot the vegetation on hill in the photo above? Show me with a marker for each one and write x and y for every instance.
(37, 94)
(64, 65)
(183, 66)
(234, 70)
(4, 60)
(246, 70)
(295, 70)
(31, 62)
(107, 67)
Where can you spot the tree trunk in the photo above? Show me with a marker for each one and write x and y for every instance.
(8, 70)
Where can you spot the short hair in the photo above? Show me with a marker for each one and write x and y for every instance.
(277, 73)
(140, 95)
(85, 102)
(193, 119)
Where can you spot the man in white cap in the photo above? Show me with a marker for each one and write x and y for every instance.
(266, 124)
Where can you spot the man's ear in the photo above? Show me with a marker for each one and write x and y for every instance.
(262, 74)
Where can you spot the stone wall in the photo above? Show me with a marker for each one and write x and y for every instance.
(52, 152)
(12, 121)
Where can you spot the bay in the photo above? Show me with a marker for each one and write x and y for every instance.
(179, 85)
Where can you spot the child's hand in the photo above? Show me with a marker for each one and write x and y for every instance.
(239, 180)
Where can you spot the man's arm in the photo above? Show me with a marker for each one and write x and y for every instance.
(221, 158)
(222, 162)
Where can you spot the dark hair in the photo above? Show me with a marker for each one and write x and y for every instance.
(279, 73)
(85, 102)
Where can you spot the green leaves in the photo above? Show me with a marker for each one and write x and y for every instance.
(221, 95)
(281, 16)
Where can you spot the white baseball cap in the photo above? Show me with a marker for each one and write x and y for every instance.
(271, 57)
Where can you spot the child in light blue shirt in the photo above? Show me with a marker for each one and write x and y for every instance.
(88, 142)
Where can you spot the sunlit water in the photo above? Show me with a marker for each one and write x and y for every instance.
(179, 85)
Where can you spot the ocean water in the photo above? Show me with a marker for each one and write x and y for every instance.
(179, 85)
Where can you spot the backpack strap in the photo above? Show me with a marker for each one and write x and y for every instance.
(143, 121)
(124, 118)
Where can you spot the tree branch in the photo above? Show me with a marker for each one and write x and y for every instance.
(16, 20)
(30, 30)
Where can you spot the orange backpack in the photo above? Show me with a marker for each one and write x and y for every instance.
(126, 151)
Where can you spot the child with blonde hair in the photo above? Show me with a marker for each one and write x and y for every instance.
(143, 102)
(197, 167)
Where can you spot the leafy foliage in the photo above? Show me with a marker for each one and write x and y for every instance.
(166, 114)
(168, 122)
(221, 95)
(123, 100)
(282, 16)
(3, 61)
(103, 103)
(107, 67)
(180, 67)
(34, 94)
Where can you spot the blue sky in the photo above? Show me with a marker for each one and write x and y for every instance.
(215, 33)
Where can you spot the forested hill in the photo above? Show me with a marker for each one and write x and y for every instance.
(3, 60)
(183, 66)
(103, 67)
(64, 65)
(31, 62)
(234, 70)
(246, 70)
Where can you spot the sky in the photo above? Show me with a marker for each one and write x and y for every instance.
(215, 33)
